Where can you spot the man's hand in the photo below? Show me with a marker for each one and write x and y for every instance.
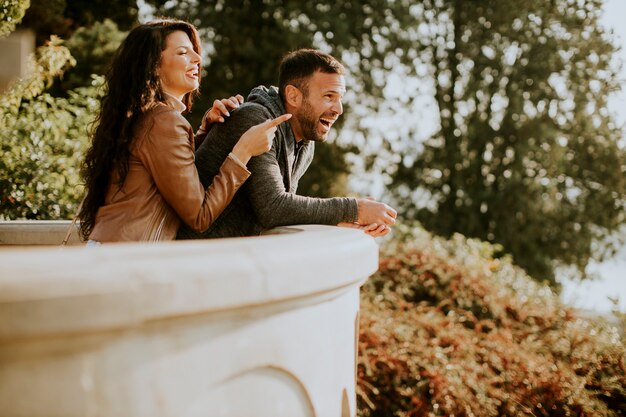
(371, 212)
(220, 109)
(374, 230)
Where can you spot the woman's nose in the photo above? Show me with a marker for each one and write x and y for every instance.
(196, 59)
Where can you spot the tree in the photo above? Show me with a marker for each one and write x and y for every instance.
(93, 48)
(63, 17)
(527, 153)
(92, 29)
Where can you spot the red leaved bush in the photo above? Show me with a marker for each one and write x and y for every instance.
(448, 330)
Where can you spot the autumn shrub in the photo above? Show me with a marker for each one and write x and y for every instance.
(447, 329)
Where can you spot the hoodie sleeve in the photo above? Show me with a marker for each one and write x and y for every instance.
(274, 206)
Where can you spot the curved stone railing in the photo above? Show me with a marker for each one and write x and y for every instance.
(36, 233)
(262, 326)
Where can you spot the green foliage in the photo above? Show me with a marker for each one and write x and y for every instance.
(63, 17)
(93, 48)
(447, 329)
(11, 13)
(527, 154)
(50, 62)
(45, 121)
(42, 139)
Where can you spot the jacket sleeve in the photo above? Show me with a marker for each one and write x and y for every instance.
(167, 152)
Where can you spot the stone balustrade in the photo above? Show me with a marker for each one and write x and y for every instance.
(262, 327)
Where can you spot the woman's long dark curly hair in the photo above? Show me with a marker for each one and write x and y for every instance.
(132, 85)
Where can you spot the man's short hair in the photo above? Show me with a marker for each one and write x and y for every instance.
(298, 66)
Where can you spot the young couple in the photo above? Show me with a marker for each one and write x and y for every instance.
(150, 178)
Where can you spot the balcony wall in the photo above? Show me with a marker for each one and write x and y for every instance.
(243, 327)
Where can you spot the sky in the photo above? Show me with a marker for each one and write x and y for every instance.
(614, 14)
(592, 295)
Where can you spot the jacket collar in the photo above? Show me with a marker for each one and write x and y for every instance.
(174, 103)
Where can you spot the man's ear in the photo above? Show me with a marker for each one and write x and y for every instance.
(293, 96)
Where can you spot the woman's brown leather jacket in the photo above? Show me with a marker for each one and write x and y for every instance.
(162, 187)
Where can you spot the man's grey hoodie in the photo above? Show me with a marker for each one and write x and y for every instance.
(268, 198)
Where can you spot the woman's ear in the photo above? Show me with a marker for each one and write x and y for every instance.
(293, 96)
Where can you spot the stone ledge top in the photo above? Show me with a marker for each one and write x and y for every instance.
(55, 291)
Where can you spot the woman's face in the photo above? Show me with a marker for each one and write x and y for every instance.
(180, 65)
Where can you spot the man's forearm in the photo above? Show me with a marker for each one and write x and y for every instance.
(290, 208)
(274, 206)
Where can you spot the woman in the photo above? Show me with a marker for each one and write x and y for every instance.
(140, 175)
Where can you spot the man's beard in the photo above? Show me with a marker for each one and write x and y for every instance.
(308, 122)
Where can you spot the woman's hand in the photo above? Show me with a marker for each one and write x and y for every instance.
(220, 109)
(258, 139)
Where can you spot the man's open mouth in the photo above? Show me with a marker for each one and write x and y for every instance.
(327, 122)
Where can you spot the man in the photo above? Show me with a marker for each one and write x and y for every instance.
(311, 87)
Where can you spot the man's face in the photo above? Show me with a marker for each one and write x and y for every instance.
(321, 105)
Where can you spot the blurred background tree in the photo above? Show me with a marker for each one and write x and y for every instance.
(485, 118)
(527, 153)
(63, 17)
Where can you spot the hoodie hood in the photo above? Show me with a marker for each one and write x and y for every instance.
(268, 98)
(295, 161)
